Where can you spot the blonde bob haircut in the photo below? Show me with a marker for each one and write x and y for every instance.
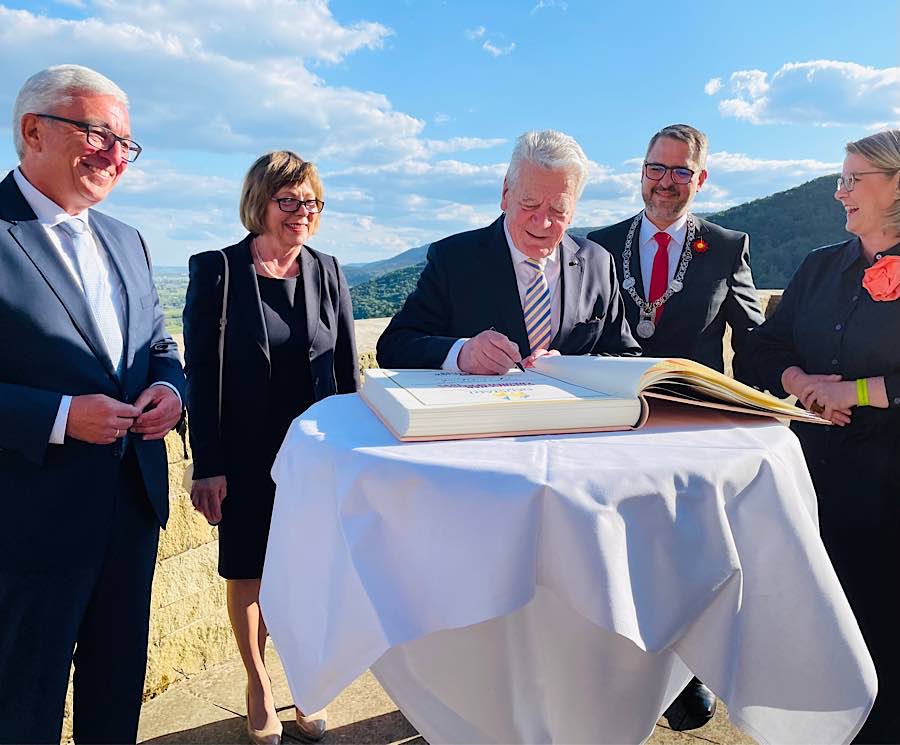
(266, 177)
(882, 150)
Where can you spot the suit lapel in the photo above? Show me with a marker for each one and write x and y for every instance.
(312, 291)
(245, 300)
(498, 271)
(637, 270)
(32, 237)
(571, 275)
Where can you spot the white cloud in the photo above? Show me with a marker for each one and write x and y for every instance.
(186, 96)
(492, 43)
(713, 86)
(496, 51)
(459, 144)
(751, 83)
(222, 26)
(544, 4)
(741, 163)
(441, 118)
(819, 92)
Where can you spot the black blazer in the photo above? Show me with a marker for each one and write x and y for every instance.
(469, 285)
(51, 346)
(332, 350)
(718, 289)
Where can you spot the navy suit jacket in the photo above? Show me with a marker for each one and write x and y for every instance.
(50, 346)
(718, 289)
(469, 285)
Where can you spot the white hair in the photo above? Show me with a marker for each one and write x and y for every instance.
(552, 150)
(54, 87)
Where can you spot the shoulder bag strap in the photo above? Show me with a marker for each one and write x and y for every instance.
(222, 322)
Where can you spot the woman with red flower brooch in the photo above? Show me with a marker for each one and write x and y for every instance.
(834, 343)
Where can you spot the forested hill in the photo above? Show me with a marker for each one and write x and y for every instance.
(384, 295)
(783, 228)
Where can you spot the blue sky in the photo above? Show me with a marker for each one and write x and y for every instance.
(410, 107)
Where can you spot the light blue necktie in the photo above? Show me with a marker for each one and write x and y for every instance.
(98, 289)
(537, 308)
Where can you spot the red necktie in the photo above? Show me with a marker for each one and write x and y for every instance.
(659, 279)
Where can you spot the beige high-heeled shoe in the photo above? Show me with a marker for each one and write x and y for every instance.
(271, 736)
(312, 727)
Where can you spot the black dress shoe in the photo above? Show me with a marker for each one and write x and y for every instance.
(692, 708)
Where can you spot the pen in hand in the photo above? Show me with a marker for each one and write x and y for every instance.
(517, 364)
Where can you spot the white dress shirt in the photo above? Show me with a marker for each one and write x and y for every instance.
(524, 278)
(649, 247)
(50, 215)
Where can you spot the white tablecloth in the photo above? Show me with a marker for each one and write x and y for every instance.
(538, 589)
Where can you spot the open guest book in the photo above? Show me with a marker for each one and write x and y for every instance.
(559, 394)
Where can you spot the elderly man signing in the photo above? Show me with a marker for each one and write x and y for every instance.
(490, 297)
(89, 385)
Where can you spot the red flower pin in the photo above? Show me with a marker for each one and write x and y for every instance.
(882, 279)
(699, 245)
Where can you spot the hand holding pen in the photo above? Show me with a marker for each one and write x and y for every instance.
(489, 353)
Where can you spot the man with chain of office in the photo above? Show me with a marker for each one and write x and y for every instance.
(684, 277)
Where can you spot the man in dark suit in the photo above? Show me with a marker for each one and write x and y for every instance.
(489, 298)
(681, 294)
(89, 385)
(685, 278)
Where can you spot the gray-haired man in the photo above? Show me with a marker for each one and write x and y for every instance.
(89, 385)
(491, 297)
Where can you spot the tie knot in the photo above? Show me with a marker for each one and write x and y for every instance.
(73, 227)
(534, 264)
(662, 240)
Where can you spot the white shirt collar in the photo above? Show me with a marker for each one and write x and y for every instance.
(48, 212)
(518, 257)
(677, 230)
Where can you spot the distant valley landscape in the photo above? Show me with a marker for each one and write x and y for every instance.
(783, 228)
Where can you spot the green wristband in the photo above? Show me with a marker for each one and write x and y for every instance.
(862, 392)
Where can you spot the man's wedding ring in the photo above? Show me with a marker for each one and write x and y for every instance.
(117, 434)
(816, 408)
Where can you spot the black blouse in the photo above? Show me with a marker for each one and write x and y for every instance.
(290, 384)
(827, 323)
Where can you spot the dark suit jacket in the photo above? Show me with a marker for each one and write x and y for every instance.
(718, 289)
(332, 350)
(469, 285)
(50, 346)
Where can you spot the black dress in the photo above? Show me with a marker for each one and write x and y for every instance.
(247, 508)
(828, 323)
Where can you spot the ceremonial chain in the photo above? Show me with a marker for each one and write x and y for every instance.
(647, 325)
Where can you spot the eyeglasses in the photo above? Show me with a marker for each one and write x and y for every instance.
(848, 182)
(657, 171)
(101, 138)
(289, 204)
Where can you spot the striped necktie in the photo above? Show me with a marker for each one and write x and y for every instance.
(537, 308)
(97, 286)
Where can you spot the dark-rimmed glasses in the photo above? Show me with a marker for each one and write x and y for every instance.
(289, 204)
(848, 182)
(657, 171)
(100, 137)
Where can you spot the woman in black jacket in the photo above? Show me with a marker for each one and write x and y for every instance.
(834, 343)
(288, 343)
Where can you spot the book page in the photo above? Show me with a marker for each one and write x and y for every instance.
(621, 377)
(444, 388)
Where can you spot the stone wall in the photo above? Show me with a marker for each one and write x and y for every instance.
(189, 629)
